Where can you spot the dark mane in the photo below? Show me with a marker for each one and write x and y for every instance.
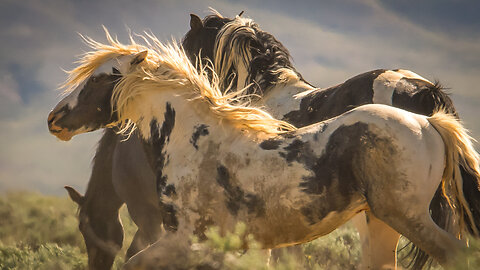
(268, 55)
(426, 100)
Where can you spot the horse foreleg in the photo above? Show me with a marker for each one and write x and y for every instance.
(379, 242)
(173, 251)
(149, 221)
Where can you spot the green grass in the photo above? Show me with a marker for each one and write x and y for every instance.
(40, 232)
(45, 256)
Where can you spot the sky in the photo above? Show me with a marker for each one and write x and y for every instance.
(330, 41)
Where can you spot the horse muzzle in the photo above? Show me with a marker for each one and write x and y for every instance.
(62, 133)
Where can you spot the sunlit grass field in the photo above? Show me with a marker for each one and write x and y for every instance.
(40, 232)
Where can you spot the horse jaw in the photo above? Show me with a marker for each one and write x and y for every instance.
(64, 135)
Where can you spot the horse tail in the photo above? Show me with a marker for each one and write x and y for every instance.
(461, 176)
(457, 200)
(430, 98)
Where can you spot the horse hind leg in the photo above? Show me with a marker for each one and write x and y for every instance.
(407, 212)
(379, 242)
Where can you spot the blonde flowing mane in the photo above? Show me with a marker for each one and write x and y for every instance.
(100, 54)
(168, 67)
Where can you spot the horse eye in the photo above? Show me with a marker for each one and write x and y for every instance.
(94, 79)
(116, 71)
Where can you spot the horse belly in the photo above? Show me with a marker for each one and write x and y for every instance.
(276, 217)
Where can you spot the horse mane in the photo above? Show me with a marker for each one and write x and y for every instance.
(100, 54)
(267, 60)
(440, 97)
(168, 67)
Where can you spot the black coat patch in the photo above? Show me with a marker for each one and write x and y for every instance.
(270, 144)
(327, 103)
(300, 152)
(159, 138)
(200, 130)
(338, 170)
(236, 197)
(421, 97)
(170, 221)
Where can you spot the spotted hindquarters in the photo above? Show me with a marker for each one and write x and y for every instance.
(352, 156)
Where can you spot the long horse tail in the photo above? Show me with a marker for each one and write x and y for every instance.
(461, 177)
(430, 98)
(457, 200)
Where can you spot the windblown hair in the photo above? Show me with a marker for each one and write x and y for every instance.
(173, 70)
(461, 151)
(167, 67)
(100, 54)
(241, 42)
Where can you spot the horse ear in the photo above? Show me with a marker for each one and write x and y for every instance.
(195, 22)
(75, 195)
(138, 58)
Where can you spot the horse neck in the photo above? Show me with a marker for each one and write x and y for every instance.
(174, 112)
(282, 98)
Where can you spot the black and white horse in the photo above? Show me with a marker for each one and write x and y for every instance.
(246, 56)
(262, 56)
(287, 187)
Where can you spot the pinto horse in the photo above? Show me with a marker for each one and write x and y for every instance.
(299, 183)
(399, 88)
(246, 56)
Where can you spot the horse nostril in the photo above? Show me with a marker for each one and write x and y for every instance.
(51, 118)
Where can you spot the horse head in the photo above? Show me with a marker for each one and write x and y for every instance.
(100, 252)
(243, 54)
(200, 39)
(88, 106)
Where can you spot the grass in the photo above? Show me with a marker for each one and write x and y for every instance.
(40, 232)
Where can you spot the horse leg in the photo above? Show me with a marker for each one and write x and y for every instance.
(173, 251)
(379, 242)
(137, 244)
(149, 221)
(404, 206)
(134, 181)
